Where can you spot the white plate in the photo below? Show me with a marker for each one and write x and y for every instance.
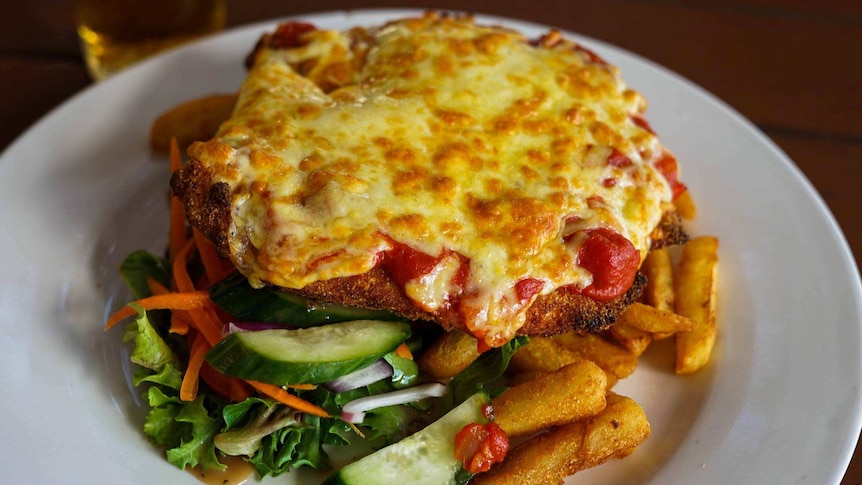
(779, 404)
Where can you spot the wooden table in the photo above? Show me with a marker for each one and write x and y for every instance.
(792, 67)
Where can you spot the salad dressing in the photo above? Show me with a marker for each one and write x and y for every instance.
(238, 471)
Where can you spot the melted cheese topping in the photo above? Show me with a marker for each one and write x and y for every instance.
(441, 135)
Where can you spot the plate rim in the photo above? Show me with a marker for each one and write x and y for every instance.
(786, 161)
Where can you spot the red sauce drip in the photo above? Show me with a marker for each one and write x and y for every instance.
(463, 273)
(667, 166)
(404, 263)
(526, 288)
(480, 446)
(609, 182)
(481, 345)
(613, 261)
(289, 35)
(618, 159)
(642, 122)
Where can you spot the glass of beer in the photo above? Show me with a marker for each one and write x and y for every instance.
(116, 33)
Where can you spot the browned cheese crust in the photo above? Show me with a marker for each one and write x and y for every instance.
(207, 207)
(208, 204)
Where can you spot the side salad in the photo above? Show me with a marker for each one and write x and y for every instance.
(280, 380)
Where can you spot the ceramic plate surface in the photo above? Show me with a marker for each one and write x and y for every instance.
(780, 402)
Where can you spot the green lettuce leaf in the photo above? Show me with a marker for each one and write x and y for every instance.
(488, 368)
(185, 428)
(406, 371)
(238, 414)
(199, 448)
(261, 418)
(293, 447)
(138, 266)
(387, 425)
(161, 424)
(158, 362)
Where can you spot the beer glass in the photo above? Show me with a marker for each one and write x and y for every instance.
(116, 33)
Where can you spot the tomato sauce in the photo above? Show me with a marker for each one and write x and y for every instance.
(618, 159)
(479, 446)
(613, 261)
(666, 164)
(526, 288)
(288, 34)
(404, 263)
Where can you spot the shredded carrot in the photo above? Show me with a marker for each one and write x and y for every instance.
(180, 322)
(180, 271)
(156, 288)
(210, 258)
(203, 282)
(216, 381)
(236, 390)
(403, 351)
(211, 330)
(177, 231)
(169, 301)
(200, 319)
(303, 387)
(199, 349)
(288, 399)
(176, 157)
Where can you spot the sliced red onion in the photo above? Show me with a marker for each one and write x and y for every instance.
(370, 374)
(354, 411)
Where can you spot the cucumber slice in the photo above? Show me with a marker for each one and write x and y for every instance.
(306, 355)
(426, 457)
(236, 296)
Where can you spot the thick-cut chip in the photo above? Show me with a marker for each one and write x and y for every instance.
(570, 393)
(696, 284)
(659, 293)
(658, 269)
(612, 358)
(549, 457)
(542, 354)
(451, 353)
(653, 320)
(633, 339)
(195, 120)
(685, 205)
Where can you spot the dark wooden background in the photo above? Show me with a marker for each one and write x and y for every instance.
(793, 67)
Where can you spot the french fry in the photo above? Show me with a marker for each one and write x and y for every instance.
(549, 457)
(633, 339)
(696, 282)
(542, 354)
(658, 269)
(514, 380)
(659, 293)
(653, 320)
(195, 120)
(685, 205)
(612, 358)
(568, 394)
(453, 352)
